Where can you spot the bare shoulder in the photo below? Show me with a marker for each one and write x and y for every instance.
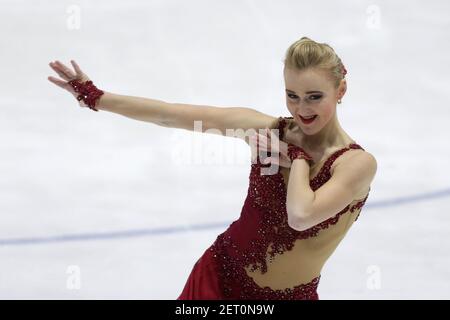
(361, 165)
(363, 158)
(357, 156)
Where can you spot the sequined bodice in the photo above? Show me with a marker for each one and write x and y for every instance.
(262, 232)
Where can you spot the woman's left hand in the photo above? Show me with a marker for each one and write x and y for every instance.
(269, 142)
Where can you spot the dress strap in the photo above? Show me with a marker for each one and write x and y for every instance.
(329, 162)
(325, 171)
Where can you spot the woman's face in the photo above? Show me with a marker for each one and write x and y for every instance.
(311, 92)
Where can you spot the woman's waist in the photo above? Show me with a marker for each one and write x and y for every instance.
(284, 276)
(238, 283)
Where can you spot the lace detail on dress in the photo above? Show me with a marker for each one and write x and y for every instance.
(236, 283)
(268, 233)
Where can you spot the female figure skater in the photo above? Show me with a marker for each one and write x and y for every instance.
(292, 219)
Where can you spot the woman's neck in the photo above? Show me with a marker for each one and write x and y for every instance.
(332, 135)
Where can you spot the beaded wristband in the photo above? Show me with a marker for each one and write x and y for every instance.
(295, 152)
(88, 92)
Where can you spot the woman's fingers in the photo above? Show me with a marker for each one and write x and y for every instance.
(280, 161)
(62, 70)
(57, 69)
(69, 73)
(283, 147)
(254, 141)
(272, 160)
(264, 141)
(58, 82)
(259, 141)
(77, 68)
(272, 139)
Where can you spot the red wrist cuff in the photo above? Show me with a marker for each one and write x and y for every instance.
(88, 92)
(295, 152)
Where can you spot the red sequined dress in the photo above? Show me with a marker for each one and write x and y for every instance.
(259, 256)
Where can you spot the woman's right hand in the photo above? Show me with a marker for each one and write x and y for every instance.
(67, 75)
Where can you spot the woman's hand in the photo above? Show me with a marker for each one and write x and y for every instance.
(269, 142)
(67, 74)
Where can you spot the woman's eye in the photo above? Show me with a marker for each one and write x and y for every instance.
(313, 97)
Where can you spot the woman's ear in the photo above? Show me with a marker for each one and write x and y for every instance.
(342, 88)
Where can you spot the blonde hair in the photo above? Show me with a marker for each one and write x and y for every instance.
(306, 53)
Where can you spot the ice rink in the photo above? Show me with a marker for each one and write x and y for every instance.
(95, 205)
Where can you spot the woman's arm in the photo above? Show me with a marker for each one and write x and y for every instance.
(215, 120)
(307, 208)
(179, 115)
(143, 109)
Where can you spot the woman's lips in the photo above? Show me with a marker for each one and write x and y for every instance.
(307, 121)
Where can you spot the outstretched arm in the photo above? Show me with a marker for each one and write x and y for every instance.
(142, 109)
(173, 115)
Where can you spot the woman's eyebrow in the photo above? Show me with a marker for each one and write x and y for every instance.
(315, 91)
